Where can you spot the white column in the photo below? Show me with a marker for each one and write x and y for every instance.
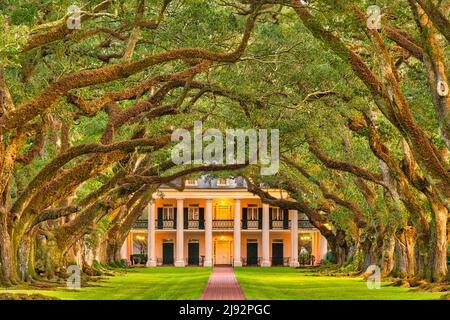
(323, 247)
(265, 237)
(294, 239)
(237, 234)
(151, 247)
(208, 234)
(180, 234)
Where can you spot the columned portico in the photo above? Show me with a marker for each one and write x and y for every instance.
(180, 234)
(223, 226)
(208, 233)
(265, 237)
(294, 239)
(237, 234)
(151, 248)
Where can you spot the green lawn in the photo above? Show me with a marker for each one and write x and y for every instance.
(162, 283)
(169, 283)
(300, 284)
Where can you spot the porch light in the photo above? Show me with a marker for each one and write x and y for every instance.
(140, 238)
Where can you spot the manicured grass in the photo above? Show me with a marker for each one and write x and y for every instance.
(169, 283)
(162, 283)
(300, 284)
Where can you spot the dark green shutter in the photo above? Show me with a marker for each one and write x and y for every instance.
(244, 218)
(160, 218)
(186, 218)
(201, 218)
(270, 218)
(285, 219)
(174, 218)
(260, 218)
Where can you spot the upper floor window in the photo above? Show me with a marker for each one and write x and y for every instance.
(222, 182)
(252, 213)
(277, 214)
(191, 182)
(168, 213)
(193, 213)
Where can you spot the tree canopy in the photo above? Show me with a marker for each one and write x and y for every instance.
(87, 112)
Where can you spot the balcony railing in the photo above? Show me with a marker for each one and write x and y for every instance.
(280, 261)
(193, 224)
(140, 224)
(305, 224)
(222, 224)
(143, 224)
(277, 224)
(167, 224)
(252, 224)
(194, 262)
(255, 261)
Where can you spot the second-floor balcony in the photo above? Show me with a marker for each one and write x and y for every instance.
(280, 224)
(165, 224)
(222, 224)
(193, 224)
(253, 224)
(305, 224)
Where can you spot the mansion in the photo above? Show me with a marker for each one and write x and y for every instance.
(219, 222)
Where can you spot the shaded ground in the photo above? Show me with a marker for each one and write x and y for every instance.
(301, 284)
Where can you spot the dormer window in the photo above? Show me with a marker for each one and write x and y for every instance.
(191, 182)
(222, 182)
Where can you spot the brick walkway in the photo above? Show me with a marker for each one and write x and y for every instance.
(222, 285)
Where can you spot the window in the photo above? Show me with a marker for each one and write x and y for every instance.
(167, 213)
(191, 182)
(222, 182)
(223, 212)
(252, 213)
(277, 214)
(193, 213)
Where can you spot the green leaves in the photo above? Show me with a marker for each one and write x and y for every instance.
(23, 16)
(12, 37)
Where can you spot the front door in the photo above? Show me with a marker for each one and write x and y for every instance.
(223, 252)
(252, 253)
(277, 253)
(193, 253)
(168, 253)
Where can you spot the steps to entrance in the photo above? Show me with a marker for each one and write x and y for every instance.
(222, 285)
